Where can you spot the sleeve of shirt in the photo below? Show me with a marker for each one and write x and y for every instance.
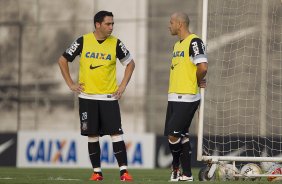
(74, 50)
(123, 54)
(197, 51)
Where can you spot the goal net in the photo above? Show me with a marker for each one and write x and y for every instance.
(243, 99)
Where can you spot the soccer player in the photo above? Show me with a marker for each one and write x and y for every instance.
(98, 90)
(187, 71)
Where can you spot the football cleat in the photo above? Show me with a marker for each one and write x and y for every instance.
(175, 174)
(126, 177)
(96, 176)
(186, 178)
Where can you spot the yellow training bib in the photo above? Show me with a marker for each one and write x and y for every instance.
(98, 65)
(183, 78)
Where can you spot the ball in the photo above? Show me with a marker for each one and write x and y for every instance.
(226, 172)
(275, 171)
(250, 169)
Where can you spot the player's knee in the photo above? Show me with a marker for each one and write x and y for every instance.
(93, 138)
(117, 138)
(173, 140)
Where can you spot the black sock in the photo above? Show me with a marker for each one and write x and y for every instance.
(186, 159)
(94, 154)
(120, 153)
(175, 150)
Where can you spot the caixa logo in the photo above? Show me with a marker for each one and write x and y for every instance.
(134, 156)
(51, 151)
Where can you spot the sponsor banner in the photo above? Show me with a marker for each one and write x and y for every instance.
(163, 156)
(51, 149)
(70, 149)
(8, 149)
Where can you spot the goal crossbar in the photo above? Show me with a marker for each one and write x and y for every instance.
(247, 159)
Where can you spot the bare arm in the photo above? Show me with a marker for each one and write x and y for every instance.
(63, 64)
(202, 69)
(127, 75)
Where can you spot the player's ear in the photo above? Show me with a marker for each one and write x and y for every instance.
(97, 25)
(179, 24)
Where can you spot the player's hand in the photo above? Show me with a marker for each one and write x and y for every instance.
(117, 95)
(203, 83)
(78, 88)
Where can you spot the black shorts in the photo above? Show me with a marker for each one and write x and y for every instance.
(98, 117)
(179, 116)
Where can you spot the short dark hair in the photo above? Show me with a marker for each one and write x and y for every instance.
(99, 17)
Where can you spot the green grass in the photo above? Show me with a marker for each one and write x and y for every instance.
(10, 175)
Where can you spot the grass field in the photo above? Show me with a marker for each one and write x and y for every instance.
(73, 176)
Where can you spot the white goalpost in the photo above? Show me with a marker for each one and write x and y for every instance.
(240, 115)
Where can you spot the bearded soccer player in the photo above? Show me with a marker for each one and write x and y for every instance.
(187, 71)
(98, 90)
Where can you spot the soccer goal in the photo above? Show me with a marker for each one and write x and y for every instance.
(240, 116)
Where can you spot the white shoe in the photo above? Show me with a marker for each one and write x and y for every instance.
(186, 178)
(175, 174)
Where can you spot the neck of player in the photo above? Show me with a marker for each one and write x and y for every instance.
(183, 34)
(100, 36)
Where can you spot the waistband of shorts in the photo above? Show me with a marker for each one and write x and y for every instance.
(174, 97)
(105, 97)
